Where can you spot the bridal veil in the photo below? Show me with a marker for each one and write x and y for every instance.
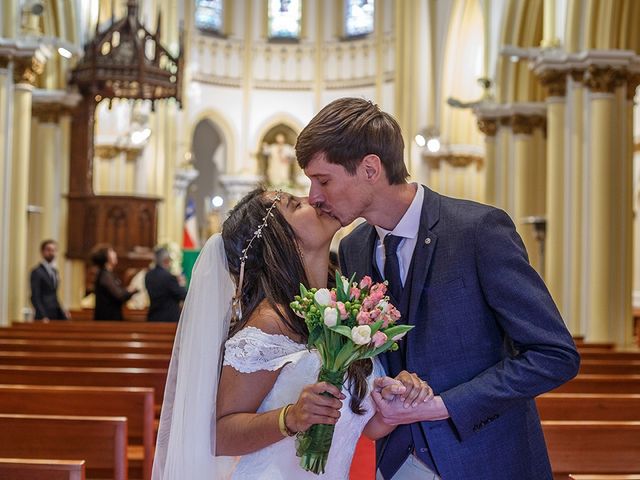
(186, 436)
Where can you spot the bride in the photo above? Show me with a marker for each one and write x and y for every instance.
(239, 421)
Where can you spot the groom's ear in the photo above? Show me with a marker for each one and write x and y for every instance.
(372, 168)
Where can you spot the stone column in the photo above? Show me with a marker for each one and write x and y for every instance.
(576, 122)
(524, 175)
(503, 172)
(555, 82)
(625, 334)
(489, 126)
(5, 172)
(25, 72)
(603, 247)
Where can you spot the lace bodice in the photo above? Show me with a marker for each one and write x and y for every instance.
(251, 350)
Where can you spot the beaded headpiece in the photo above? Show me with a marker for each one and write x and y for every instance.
(237, 311)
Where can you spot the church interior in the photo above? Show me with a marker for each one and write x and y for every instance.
(139, 124)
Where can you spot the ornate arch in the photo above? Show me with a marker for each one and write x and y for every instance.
(227, 133)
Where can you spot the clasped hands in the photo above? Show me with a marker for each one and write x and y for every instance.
(400, 400)
(406, 399)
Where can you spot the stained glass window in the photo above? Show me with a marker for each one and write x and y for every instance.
(209, 15)
(284, 18)
(358, 19)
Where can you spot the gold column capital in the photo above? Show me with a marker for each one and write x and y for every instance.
(456, 160)
(539, 121)
(521, 124)
(604, 79)
(555, 81)
(577, 75)
(48, 112)
(488, 126)
(633, 80)
(26, 70)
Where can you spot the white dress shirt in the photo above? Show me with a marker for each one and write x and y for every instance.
(407, 228)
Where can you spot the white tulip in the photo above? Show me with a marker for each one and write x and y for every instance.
(361, 335)
(345, 284)
(330, 317)
(322, 297)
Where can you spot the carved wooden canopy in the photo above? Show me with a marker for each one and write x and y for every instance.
(128, 61)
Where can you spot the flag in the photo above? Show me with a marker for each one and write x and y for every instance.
(190, 232)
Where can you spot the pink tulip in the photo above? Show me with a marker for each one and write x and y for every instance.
(363, 318)
(342, 310)
(365, 282)
(379, 339)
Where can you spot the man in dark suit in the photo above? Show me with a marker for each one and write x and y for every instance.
(487, 338)
(165, 291)
(44, 285)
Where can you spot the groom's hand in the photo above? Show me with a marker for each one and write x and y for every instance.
(393, 412)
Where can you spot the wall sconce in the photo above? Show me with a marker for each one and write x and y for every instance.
(429, 137)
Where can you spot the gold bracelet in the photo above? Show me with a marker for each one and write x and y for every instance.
(282, 422)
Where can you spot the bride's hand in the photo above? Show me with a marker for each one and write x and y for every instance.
(312, 407)
(418, 390)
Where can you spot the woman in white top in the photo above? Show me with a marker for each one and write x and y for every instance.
(241, 424)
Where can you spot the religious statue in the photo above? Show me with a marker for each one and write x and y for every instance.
(280, 162)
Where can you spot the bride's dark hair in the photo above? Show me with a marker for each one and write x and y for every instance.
(273, 273)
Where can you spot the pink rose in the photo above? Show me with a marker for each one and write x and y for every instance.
(332, 295)
(342, 310)
(379, 339)
(379, 287)
(363, 318)
(369, 303)
(394, 313)
(375, 313)
(365, 282)
(355, 293)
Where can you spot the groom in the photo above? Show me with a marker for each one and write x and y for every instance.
(487, 338)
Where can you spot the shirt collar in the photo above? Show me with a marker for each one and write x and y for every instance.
(409, 224)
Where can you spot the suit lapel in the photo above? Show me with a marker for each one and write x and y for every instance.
(364, 263)
(425, 247)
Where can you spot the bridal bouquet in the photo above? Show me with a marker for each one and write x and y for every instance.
(347, 323)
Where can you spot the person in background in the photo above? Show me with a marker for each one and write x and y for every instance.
(44, 285)
(109, 292)
(166, 291)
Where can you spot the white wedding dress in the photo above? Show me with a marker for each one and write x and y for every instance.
(251, 350)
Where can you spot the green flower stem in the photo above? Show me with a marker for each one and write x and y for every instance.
(314, 444)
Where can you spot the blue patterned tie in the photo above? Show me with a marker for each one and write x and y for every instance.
(392, 266)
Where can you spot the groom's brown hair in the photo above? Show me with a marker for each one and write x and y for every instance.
(347, 130)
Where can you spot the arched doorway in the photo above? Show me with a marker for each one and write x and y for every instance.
(209, 158)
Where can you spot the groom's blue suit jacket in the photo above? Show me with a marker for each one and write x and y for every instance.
(487, 338)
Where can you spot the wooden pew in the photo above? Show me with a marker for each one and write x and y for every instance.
(589, 406)
(594, 345)
(86, 376)
(623, 355)
(79, 359)
(592, 447)
(33, 469)
(10, 332)
(604, 477)
(610, 367)
(88, 346)
(593, 383)
(100, 441)
(68, 326)
(136, 404)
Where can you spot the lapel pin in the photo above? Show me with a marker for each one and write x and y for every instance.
(427, 241)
